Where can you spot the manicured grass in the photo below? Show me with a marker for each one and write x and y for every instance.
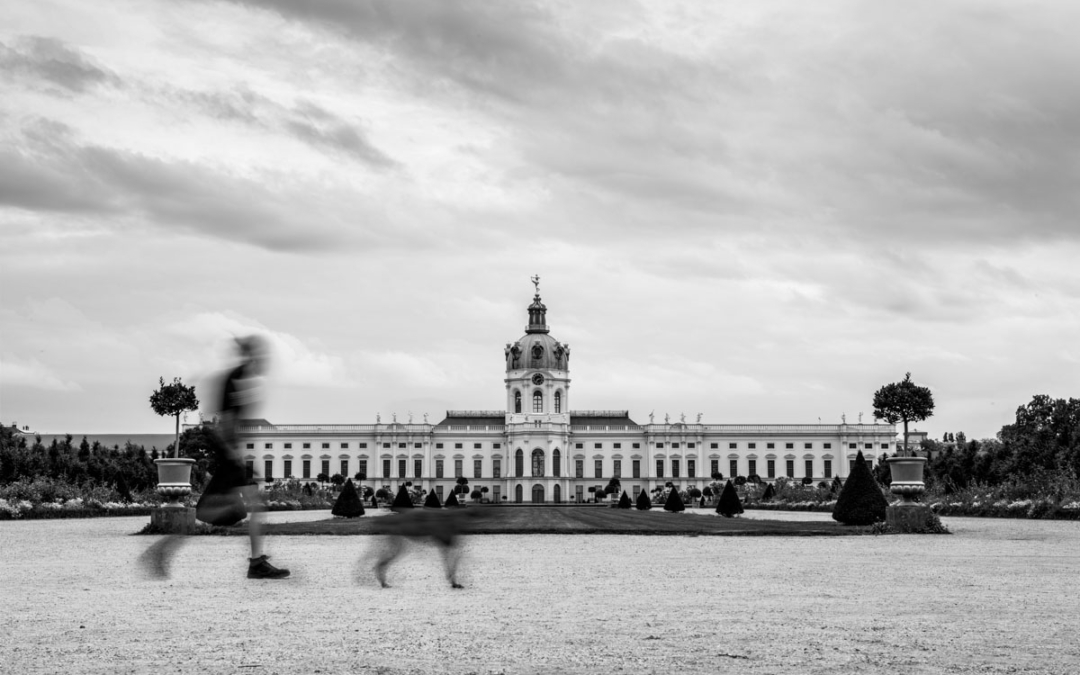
(583, 520)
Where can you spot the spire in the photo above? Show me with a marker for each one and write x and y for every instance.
(537, 311)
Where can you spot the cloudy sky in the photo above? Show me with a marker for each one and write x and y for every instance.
(759, 211)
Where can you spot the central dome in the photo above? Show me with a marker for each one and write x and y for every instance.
(537, 351)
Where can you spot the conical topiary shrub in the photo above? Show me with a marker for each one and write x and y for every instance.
(643, 501)
(729, 504)
(432, 501)
(624, 501)
(861, 501)
(402, 500)
(348, 504)
(673, 502)
(769, 493)
(452, 500)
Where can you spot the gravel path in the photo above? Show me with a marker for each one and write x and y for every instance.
(996, 597)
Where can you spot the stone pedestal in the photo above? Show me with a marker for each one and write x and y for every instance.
(907, 517)
(173, 520)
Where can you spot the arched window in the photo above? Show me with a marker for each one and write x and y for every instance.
(517, 401)
(558, 401)
(538, 402)
(537, 463)
(519, 463)
(557, 495)
(518, 493)
(556, 458)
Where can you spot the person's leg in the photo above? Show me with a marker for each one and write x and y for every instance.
(388, 551)
(451, 557)
(157, 559)
(258, 567)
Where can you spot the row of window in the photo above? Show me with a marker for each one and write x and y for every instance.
(674, 465)
(538, 402)
(345, 446)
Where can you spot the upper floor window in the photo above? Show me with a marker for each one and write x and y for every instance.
(517, 401)
(558, 401)
(537, 463)
(538, 402)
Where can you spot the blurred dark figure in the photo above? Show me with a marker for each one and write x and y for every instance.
(442, 527)
(239, 395)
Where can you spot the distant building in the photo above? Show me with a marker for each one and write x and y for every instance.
(537, 449)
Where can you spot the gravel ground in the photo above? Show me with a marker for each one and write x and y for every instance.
(999, 596)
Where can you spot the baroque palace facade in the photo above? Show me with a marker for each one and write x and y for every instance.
(537, 449)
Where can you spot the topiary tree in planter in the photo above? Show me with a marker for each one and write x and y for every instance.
(476, 494)
(624, 501)
(173, 400)
(729, 504)
(643, 501)
(484, 491)
(348, 503)
(452, 500)
(322, 478)
(432, 501)
(403, 500)
(861, 501)
(337, 479)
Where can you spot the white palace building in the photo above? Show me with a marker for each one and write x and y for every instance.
(537, 449)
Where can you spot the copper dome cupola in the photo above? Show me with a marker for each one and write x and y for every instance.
(537, 349)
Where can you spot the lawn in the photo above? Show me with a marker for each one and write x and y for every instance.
(586, 520)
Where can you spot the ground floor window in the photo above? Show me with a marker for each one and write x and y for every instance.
(306, 468)
(363, 467)
(598, 470)
(288, 468)
(418, 468)
(495, 493)
(752, 471)
(249, 469)
(790, 467)
(691, 468)
(617, 468)
(714, 466)
(326, 467)
(809, 468)
(579, 491)
(439, 470)
(386, 468)
(268, 469)
(579, 468)
(770, 466)
(457, 468)
(402, 467)
(636, 467)
(477, 467)
(496, 468)
(828, 468)
(733, 467)
(438, 491)
(674, 468)
(659, 468)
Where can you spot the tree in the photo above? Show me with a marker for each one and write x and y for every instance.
(903, 402)
(729, 504)
(674, 502)
(360, 475)
(322, 478)
(861, 501)
(348, 503)
(452, 500)
(337, 479)
(432, 501)
(643, 501)
(476, 494)
(624, 501)
(403, 500)
(173, 400)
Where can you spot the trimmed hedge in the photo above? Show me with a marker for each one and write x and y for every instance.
(432, 501)
(673, 503)
(729, 504)
(624, 501)
(452, 500)
(643, 501)
(402, 500)
(861, 501)
(348, 503)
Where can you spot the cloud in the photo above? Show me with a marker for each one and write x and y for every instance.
(32, 374)
(47, 170)
(36, 59)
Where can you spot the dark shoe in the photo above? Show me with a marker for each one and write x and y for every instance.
(258, 568)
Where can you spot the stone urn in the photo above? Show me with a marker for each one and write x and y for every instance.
(907, 478)
(174, 479)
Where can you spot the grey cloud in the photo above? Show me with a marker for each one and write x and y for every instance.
(307, 122)
(50, 60)
(60, 175)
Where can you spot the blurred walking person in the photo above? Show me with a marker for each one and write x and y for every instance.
(230, 495)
